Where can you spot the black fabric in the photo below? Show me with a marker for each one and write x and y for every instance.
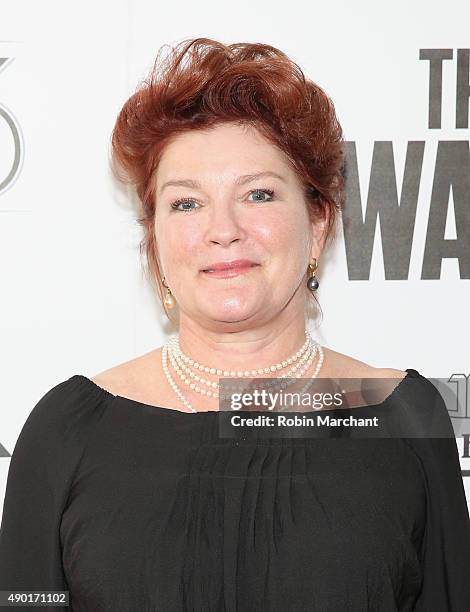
(133, 507)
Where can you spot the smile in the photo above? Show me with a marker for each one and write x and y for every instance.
(228, 272)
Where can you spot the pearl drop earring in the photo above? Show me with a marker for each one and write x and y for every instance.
(169, 300)
(313, 282)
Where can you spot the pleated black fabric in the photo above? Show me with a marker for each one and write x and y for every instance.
(132, 507)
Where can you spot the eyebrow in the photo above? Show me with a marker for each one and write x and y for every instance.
(241, 180)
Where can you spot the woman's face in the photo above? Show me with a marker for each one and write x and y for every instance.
(228, 213)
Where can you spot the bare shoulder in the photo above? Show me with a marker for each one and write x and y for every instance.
(134, 376)
(339, 365)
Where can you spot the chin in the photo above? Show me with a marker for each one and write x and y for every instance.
(229, 316)
(228, 311)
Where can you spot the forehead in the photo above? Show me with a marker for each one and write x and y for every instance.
(222, 152)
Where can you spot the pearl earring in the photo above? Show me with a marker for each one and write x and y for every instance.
(169, 300)
(312, 282)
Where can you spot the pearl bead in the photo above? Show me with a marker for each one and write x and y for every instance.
(304, 357)
(169, 301)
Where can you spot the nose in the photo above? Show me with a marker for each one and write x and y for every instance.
(223, 224)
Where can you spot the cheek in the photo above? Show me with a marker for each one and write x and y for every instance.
(281, 234)
(177, 242)
(287, 241)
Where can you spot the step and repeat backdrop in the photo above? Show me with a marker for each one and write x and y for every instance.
(395, 286)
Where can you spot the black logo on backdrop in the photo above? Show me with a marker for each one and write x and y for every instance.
(397, 213)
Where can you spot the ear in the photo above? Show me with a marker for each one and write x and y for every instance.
(319, 225)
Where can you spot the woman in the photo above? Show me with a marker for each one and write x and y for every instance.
(121, 488)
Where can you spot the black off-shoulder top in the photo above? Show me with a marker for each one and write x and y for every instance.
(132, 507)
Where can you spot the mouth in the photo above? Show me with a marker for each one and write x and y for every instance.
(229, 272)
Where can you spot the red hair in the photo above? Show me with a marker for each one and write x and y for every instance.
(202, 83)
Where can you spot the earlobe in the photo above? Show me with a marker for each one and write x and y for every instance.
(317, 239)
(319, 236)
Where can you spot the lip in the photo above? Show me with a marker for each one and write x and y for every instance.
(228, 265)
(228, 269)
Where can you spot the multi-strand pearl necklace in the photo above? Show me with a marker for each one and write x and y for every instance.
(183, 364)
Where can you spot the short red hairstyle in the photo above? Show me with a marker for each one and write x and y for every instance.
(201, 83)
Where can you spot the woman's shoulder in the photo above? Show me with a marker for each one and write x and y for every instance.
(140, 379)
(57, 430)
(66, 411)
(418, 409)
(340, 365)
(363, 383)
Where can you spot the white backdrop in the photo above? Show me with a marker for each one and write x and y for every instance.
(73, 296)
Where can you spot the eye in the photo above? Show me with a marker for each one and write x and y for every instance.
(175, 204)
(257, 192)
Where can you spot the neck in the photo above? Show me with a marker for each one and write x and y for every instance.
(243, 350)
